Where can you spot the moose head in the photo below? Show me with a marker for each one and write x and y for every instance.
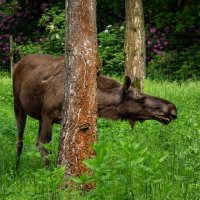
(127, 103)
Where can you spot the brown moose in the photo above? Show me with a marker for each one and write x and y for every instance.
(38, 87)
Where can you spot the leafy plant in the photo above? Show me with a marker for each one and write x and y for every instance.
(29, 48)
(174, 65)
(54, 20)
(110, 13)
(150, 162)
(111, 43)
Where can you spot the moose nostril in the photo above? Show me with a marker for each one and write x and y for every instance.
(173, 116)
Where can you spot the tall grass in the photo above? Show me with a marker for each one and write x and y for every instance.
(151, 161)
(33, 181)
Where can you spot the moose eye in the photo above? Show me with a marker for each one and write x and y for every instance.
(140, 97)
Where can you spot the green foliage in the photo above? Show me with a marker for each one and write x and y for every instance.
(169, 28)
(111, 43)
(52, 21)
(167, 13)
(174, 30)
(29, 48)
(172, 52)
(109, 13)
(6, 9)
(151, 161)
(174, 65)
(49, 183)
(33, 180)
(181, 19)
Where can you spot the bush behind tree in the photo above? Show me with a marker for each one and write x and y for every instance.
(176, 65)
(171, 52)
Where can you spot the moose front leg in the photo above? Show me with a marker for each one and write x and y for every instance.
(44, 137)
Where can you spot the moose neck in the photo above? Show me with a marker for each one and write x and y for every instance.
(111, 112)
(109, 98)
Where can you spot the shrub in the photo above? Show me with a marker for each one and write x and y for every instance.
(29, 48)
(54, 21)
(111, 42)
(110, 13)
(176, 65)
(17, 22)
(53, 41)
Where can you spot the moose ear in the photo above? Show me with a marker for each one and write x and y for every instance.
(127, 84)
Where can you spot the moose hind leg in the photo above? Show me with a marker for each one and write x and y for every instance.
(21, 122)
(44, 137)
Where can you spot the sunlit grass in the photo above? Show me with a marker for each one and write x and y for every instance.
(150, 162)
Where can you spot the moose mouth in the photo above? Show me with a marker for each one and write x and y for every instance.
(163, 119)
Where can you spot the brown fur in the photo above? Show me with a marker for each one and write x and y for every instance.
(38, 88)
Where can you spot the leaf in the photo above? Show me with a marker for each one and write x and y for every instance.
(76, 180)
(179, 178)
(163, 158)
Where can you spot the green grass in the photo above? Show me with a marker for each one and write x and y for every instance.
(150, 162)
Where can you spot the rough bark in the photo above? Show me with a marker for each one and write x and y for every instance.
(79, 107)
(134, 46)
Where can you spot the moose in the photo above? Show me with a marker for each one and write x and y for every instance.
(38, 89)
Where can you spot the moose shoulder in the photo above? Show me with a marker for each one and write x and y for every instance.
(38, 88)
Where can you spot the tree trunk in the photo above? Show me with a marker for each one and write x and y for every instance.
(79, 108)
(134, 46)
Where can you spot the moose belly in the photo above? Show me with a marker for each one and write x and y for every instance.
(31, 106)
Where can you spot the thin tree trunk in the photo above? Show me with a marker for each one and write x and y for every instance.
(134, 46)
(80, 108)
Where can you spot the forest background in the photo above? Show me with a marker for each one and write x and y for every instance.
(150, 162)
(172, 34)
